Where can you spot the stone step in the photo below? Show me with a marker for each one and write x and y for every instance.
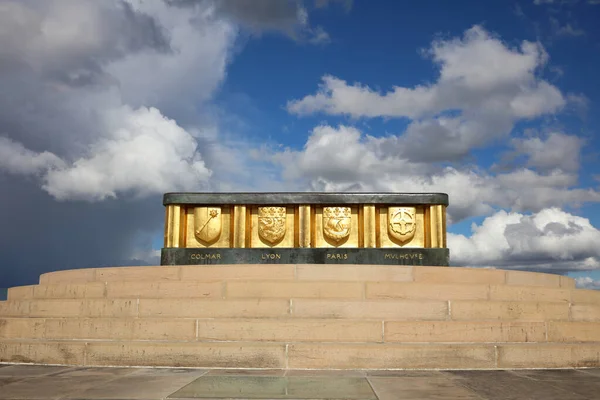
(305, 272)
(297, 330)
(397, 309)
(302, 355)
(302, 289)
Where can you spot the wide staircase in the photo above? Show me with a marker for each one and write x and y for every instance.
(302, 317)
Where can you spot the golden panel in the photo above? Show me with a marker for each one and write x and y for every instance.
(272, 226)
(174, 235)
(336, 226)
(240, 226)
(304, 226)
(370, 226)
(207, 224)
(223, 240)
(437, 226)
(402, 223)
(392, 236)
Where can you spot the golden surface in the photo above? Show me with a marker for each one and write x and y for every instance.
(305, 226)
(240, 221)
(370, 226)
(224, 239)
(207, 224)
(437, 226)
(336, 226)
(272, 227)
(175, 226)
(388, 240)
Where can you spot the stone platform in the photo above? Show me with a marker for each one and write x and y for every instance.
(102, 383)
(302, 317)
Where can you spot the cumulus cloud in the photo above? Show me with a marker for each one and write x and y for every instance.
(555, 151)
(101, 100)
(343, 159)
(483, 88)
(550, 239)
(145, 154)
(586, 282)
(290, 17)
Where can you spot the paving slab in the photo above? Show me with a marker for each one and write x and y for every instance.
(277, 387)
(13, 371)
(247, 372)
(60, 384)
(504, 385)
(146, 383)
(34, 382)
(400, 388)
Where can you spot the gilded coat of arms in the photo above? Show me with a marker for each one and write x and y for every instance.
(271, 223)
(402, 223)
(207, 223)
(336, 222)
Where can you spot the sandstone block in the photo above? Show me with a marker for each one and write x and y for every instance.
(68, 276)
(522, 278)
(20, 292)
(585, 312)
(295, 289)
(566, 282)
(166, 289)
(137, 274)
(508, 310)
(64, 353)
(548, 356)
(214, 355)
(574, 331)
(200, 308)
(120, 329)
(579, 296)
(209, 273)
(390, 356)
(21, 328)
(374, 273)
(458, 275)
(468, 331)
(69, 291)
(72, 308)
(529, 293)
(17, 308)
(425, 291)
(304, 330)
(373, 309)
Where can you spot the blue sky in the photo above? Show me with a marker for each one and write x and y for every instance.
(110, 104)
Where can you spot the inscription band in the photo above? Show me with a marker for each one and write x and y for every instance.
(392, 256)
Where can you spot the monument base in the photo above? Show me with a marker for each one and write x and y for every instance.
(302, 316)
(416, 256)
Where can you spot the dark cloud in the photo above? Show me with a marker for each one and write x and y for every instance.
(257, 15)
(41, 235)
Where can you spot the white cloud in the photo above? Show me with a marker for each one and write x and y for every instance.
(485, 85)
(586, 282)
(342, 159)
(471, 69)
(557, 150)
(146, 153)
(18, 160)
(548, 239)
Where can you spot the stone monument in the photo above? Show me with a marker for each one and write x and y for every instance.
(303, 281)
(315, 228)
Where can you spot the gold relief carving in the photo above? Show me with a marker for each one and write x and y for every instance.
(402, 223)
(207, 223)
(336, 223)
(271, 223)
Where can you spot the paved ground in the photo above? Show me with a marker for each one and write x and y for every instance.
(47, 382)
